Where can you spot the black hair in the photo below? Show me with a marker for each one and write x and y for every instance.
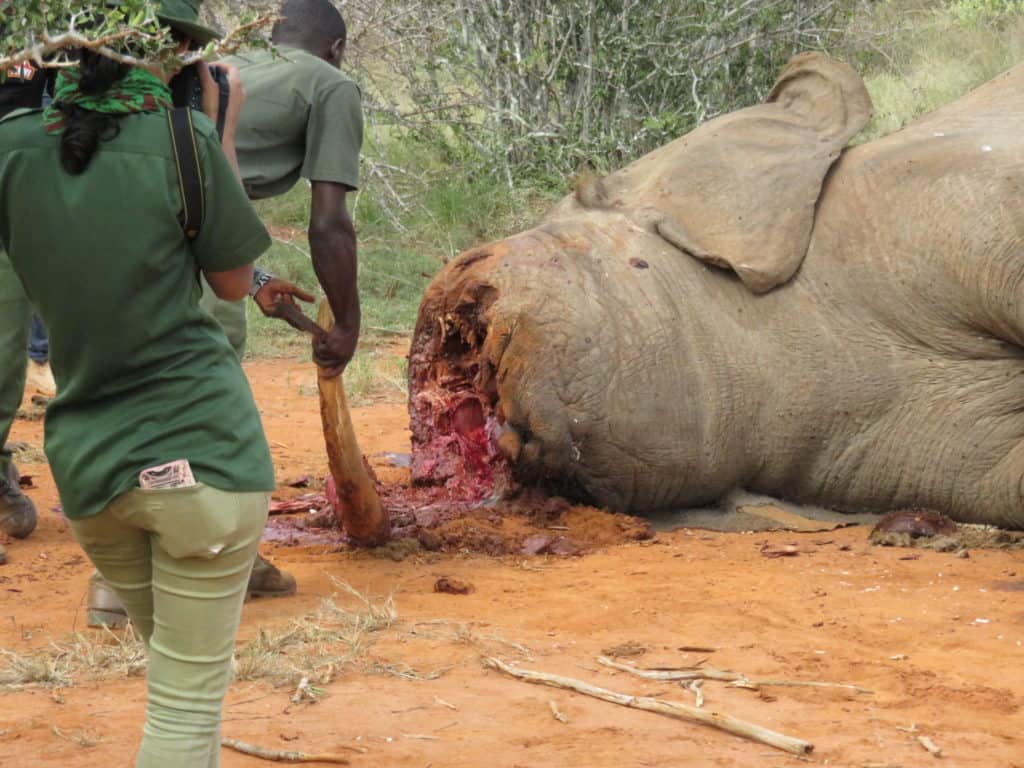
(313, 25)
(84, 129)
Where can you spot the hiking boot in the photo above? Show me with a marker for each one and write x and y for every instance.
(17, 512)
(267, 580)
(39, 377)
(105, 608)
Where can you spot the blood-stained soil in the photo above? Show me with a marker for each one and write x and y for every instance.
(937, 637)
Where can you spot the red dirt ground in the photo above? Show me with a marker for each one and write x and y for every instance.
(939, 640)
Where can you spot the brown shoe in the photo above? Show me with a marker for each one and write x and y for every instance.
(267, 580)
(105, 608)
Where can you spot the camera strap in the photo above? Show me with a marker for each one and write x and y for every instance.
(224, 95)
(190, 173)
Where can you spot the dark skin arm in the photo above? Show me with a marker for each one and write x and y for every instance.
(332, 244)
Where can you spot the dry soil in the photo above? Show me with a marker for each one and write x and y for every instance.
(937, 638)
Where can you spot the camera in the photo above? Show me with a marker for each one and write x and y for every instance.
(187, 91)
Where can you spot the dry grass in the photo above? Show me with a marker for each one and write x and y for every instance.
(314, 648)
(84, 738)
(26, 453)
(466, 633)
(83, 658)
(305, 655)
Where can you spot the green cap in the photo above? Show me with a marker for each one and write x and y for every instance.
(182, 16)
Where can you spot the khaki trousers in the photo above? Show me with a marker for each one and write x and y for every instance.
(179, 560)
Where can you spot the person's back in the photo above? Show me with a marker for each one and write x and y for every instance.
(117, 285)
(154, 439)
(302, 119)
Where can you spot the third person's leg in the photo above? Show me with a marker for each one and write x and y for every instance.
(17, 513)
(40, 377)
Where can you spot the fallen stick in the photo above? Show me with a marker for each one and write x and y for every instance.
(735, 679)
(754, 683)
(930, 745)
(672, 709)
(690, 673)
(557, 713)
(694, 688)
(443, 703)
(277, 756)
(362, 517)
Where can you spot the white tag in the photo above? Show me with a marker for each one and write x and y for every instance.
(174, 474)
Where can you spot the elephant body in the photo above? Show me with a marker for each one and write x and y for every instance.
(750, 307)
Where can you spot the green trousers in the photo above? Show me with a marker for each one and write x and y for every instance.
(15, 316)
(180, 559)
(230, 315)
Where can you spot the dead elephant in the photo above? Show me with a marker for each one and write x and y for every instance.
(752, 307)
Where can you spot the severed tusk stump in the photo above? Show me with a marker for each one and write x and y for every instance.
(359, 509)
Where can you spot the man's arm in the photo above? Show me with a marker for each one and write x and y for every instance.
(332, 244)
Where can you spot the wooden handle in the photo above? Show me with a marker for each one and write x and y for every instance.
(361, 515)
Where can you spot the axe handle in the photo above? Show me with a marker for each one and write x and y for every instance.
(296, 318)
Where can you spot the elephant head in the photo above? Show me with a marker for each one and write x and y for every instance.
(750, 307)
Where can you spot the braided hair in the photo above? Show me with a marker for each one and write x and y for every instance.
(84, 129)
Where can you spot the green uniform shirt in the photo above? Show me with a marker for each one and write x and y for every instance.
(144, 377)
(302, 117)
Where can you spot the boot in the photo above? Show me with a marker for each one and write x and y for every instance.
(105, 608)
(267, 580)
(17, 512)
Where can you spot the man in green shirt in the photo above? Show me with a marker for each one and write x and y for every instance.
(303, 119)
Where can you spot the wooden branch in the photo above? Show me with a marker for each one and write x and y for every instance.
(689, 673)
(672, 709)
(557, 713)
(277, 756)
(735, 679)
(48, 44)
(695, 688)
(236, 38)
(930, 745)
(754, 683)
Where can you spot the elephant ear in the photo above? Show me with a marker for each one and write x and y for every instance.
(740, 191)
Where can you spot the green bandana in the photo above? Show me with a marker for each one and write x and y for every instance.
(137, 91)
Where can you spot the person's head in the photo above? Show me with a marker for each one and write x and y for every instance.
(315, 26)
(84, 130)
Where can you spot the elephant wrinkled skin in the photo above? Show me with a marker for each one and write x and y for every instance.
(752, 307)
